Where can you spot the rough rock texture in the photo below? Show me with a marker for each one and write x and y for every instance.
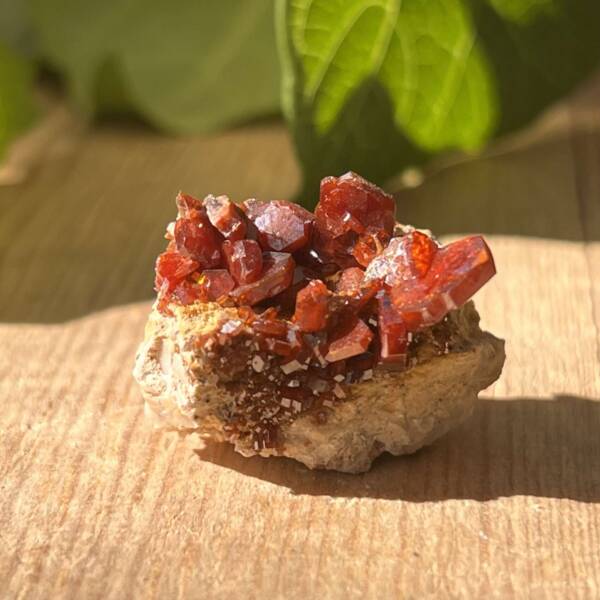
(396, 412)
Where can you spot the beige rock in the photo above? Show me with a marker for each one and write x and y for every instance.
(181, 378)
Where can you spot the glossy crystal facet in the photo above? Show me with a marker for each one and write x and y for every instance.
(244, 260)
(172, 268)
(277, 275)
(350, 280)
(282, 226)
(312, 307)
(457, 271)
(352, 339)
(392, 332)
(216, 282)
(404, 260)
(226, 217)
(351, 203)
(196, 238)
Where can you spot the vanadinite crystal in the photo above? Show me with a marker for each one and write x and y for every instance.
(173, 268)
(353, 218)
(392, 332)
(311, 307)
(277, 275)
(350, 280)
(457, 271)
(343, 288)
(186, 204)
(244, 260)
(369, 245)
(197, 238)
(282, 226)
(226, 217)
(353, 339)
(216, 282)
(351, 203)
(404, 260)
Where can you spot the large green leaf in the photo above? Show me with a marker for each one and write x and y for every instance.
(185, 66)
(376, 85)
(16, 99)
(539, 50)
(523, 11)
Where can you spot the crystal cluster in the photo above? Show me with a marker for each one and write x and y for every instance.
(345, 283)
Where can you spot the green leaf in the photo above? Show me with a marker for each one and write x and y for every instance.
(523, 11)
(188, 66)
(16, 98)
(378, 85)
(539, 50)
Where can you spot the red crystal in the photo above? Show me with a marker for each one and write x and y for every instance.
(276, 335)
(405, 259)
(208, 287)
(354, 220)
(309, 258)
(311, 307)
(271, 327)
(197, 238)
(350, 280)
(226, 217)
(420, 249)
(244, 260)
(352, 340)
(278, 271)
(216, 283)
(346, 305)
(334, 250)
(173, 268)
(186, 204)
(286, 300)
(187, 292)
(351, 203)
(457, 271)
(392, 332)
(362, 297)
(369, 245)
(282, 226)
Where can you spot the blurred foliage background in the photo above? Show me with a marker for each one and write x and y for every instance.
(368, 85)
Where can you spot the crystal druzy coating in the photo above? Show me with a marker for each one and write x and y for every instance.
(343, 286)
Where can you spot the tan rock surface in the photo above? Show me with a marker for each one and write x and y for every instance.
(396, 412)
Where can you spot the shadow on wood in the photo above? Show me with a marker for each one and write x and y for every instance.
(547, 448)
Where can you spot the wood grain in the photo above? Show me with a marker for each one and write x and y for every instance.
(95, 503)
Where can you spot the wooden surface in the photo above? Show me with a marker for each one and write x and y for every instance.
(95, 503)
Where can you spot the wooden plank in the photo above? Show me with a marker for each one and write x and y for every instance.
(95, 503)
